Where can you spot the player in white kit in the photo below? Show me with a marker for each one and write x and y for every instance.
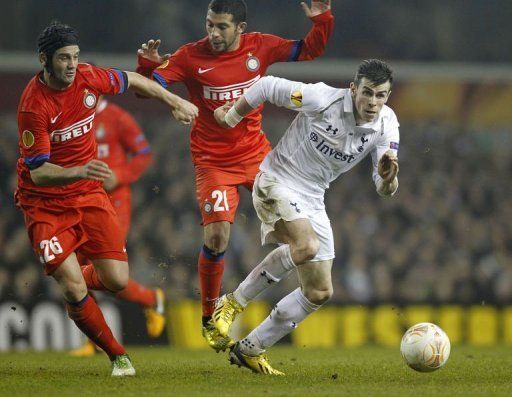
(334, 130)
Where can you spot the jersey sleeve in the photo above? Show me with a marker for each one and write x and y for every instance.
(34, 139)
(108, 81)
(294, 95)
(172, 70)
(134, 143)
(311, 47)
(389, 140)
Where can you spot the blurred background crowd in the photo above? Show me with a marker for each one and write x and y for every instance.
(445, 238)
(416, 30)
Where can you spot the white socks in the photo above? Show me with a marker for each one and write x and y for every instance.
(282, 320)
(276, 266)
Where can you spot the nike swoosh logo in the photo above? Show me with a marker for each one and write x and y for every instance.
(54, 119)
(201, 71)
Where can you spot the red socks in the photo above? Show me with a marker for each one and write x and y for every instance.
(211, 269)
(91, 278)
(88, 317)
(137, 293)
(134, 292)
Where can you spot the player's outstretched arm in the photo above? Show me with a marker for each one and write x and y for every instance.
(388, 171)
(268, 88)
(315, 42)
(183, 111)
(278, 91)
(317, 7)
(49, 174)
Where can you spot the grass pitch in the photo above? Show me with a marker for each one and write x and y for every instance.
(163, 371)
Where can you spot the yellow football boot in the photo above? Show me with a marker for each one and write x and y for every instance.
(226, 310)
(88, 349)
(214, 339)
(258, 364)
(155, 317)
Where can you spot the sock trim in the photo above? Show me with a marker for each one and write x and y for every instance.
(79, 303)
(308, 306)
(211, 255)
(287, 258)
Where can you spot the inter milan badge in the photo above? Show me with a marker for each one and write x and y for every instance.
(89, 100)
(252, 63)
(28, 138)
(208, 207)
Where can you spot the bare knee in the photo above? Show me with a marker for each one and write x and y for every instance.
(318, 295)
(305, 250)
(113, 275)
(216, 236)
(117, 282)
(217, 243)
(73, 291)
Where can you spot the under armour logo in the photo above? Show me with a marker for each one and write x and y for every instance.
(295, 206)
(334, 130)
(363, 141)
(313, 137)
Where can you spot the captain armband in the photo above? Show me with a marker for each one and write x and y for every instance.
(232, 117)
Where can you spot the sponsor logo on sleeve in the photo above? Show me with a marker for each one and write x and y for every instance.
(27, 138)
(112, 79)
(393, 145)
(296, 98)
(163, 65)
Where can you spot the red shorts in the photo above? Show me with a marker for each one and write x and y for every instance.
(121, 200)
(87, 224)
(217, 189)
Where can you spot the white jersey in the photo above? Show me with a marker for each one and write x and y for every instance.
(323, 141)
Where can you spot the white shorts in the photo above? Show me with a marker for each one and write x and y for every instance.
(274, 201)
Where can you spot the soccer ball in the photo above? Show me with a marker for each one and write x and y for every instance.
(425, 347)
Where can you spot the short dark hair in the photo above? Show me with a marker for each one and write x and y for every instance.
(237, 8)
(375, 70)
(55, 36)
